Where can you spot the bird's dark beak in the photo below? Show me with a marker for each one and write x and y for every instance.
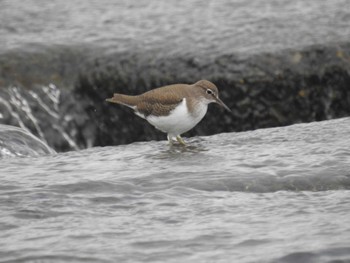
(222, 104)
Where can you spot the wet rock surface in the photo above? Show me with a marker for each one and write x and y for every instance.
(265, 90)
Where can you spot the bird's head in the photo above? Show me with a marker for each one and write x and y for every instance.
(210, 92)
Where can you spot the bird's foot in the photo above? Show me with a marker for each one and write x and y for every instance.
(180, 140)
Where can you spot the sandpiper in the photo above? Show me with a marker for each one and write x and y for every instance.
(173, 109)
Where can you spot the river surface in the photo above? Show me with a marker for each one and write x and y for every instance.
(270, 195)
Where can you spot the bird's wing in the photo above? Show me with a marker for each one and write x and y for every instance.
(160, 101)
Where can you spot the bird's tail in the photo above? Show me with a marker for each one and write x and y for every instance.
(126, 100)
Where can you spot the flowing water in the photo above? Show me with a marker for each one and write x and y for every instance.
(270, 195)
(201, 27)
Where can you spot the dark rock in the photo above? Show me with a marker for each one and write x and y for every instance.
(258, 99)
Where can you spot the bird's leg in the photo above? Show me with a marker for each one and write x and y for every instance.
(170, 140)
(180, 140)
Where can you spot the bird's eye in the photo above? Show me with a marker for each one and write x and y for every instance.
(209, 91)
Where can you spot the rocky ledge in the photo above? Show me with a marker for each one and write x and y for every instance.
(69, 112)
(265, 90)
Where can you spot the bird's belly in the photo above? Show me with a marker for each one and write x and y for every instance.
(179, 120)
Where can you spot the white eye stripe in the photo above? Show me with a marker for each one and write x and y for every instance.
(209, 91)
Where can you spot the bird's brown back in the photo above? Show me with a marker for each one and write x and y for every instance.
(160, 101)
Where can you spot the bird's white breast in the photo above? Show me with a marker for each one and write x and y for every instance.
(179, 120)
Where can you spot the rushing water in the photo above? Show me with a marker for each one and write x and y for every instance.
(270, 195)
(173, 27)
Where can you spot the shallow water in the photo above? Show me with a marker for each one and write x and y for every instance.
(271, 195)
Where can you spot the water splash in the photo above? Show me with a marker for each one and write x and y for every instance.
(38, 111)
(44, 106)
(17, 142)
(21, 104)
(53, 93)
